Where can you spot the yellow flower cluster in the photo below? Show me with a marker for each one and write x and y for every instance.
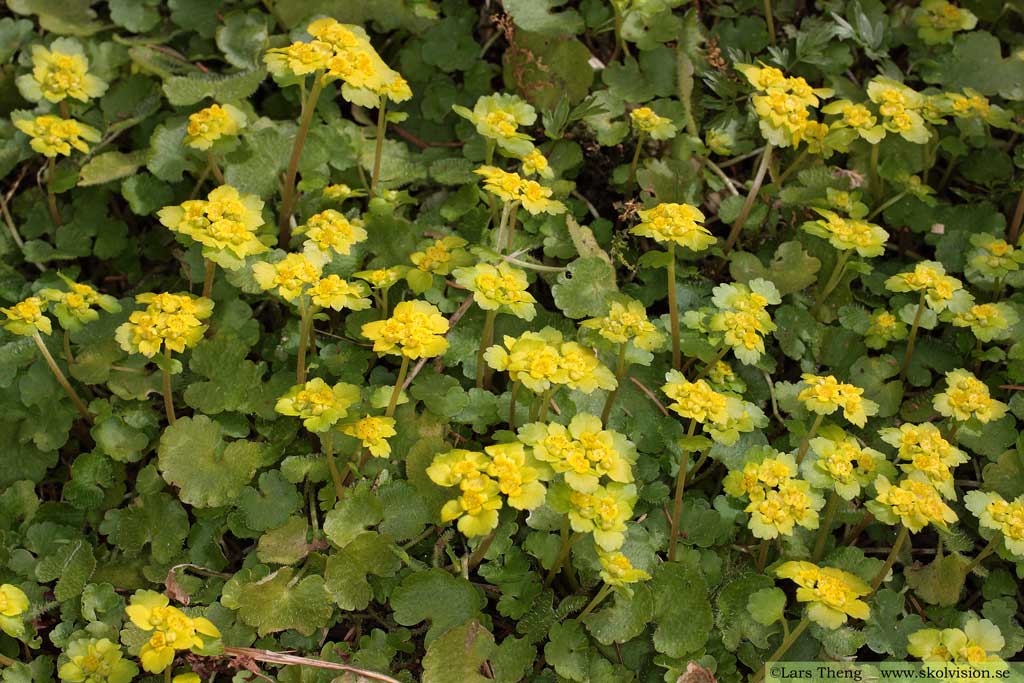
(415, 329)
(742, 317)
(602, 512)
(319, 405)
(330, 232)
(292, 276)
(926, 452)
(336, 293)
(992, 257)
(855, 121)
(647, 122)
(825, 395)
(52, 135)
(173, 631)
(938, 20)
(483, 478)
(617, 570)
(914, 502)
(74, 306)
(207, 126)
(901, 107)
(995, 513)
(536, 163)
(27, 317)
(778, 500)
(695, 400)
(839, 462)
(675, 224)
(930, 279)
(883, 329)
(625, 322)
(967, 397)
(339, 192)
(13, 604)
(59, 73)
(511, 187)
(171, 321)
(987, 321)
(783, 104)
(540, 360)
(498, 118)
(844, 234)
(500, 287)
(442, 256)
(584, 452)
(834, 595)
(341, 52)
(96, 660)
(977, 642)
(223, 223)
(373, 432)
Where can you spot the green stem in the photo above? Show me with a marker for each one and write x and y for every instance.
(633, 164)
(511, 229)
(332, 464)
(545, 403)
(792, 167)
(492, 207)
(382, 124)
(208, 277)
(770, 20)
(620, 373)
(673, 310)
(912, 338)
(748, 204)
(1018, 217)
(7, 661)
(215, 168)
(168, 398)
(512, 405)
(486, 339)
(891, 560)
(719, 355)
(783, 648)
(68, 357)
(305, 324)
(598, 599)
(986, 551)
(833, 281)
(499, 237)
(874, 178)
(806, 441)
(61, 379)
(677, 501)
(284, 226)
(167, 673)
(826, 525)
(762, 554)
(478, 554)
(885, 205)
(397, 391)
(568, 538)
(51, 196)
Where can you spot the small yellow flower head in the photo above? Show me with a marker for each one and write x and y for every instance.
(173, 322)
(536, 163)
(834, 595)
(26, 318)
(900, 107)
(336, 293)
(291, 276)
(764, 77)
(914, 503)
(825, 395)
(926, 452)
(649, 123)
(190, 677)
(502, 184)
(617, 570)
(498, 117)
(978, 642)
(442, 256)
(501, 288)
(96, 660)
(373, 433)
(536, 199)
(533, 359)
(330, 232)
(848, 233)
(476, 508)
(626, 321)
(856, 118)
(758, 476)
(299, 59)
(517, 476)
(778, 511)
(59, 73)
(380, 278)
(694, 400)
(209, 125)
(884, 329)
(938, 20)
(584, 452)
(965, 397)
(987, 321)
(992, 257)
(742, 317)
(995, 513)
(455, 466)
(928, 277)
(74, 306)
(583, 370)
(839, 462)
(224, 224)
(172, 629)
(319, 405)
(339, 192)
(52, 135)
(13, 604)
(675, 223)
(602, 512)
(415, 329)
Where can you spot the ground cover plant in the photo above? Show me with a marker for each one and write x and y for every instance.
(528, 340)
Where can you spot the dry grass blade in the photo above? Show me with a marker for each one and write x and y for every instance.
(293, 660)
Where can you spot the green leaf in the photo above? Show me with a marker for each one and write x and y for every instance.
(243, 38)
(888, 629)
(270, 506)
(437, 596)
(546, 69)
(138, 16)
(208, 471)
(286, 544)
(236, 384)
(941, 581)
(167, 158)
(767, 605)
(275, 603)
(110, 166)
(118, 440)
(682, 610)
(58, 16)
(1005, 476)
(583, 290)
(976, 61)
(791, 269)
(183, 91)
(568, 650)
(71, 564)
(357, 511)
(732, 618)
(347, 570)
(456, 656)
(157, 520)
(539, 16)
(625, 619)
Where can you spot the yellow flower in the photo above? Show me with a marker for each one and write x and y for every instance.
(583, 370)
(825, 395)
(856, 118)
(319, 405)
(929, 278)
(223, 223)
(518, 479)
(299, 59)
(914, 502)
(190, 677)
(453, 467)
(502, 184)
(694, 400)
(602, 512)
(498, 288)
(339, 192)
(441, 256)
(373, 433)
(987, 321)
(617, 570)
(537, 163)
(27, 317)
(171, 321)
(380, 278)
(498, 117)
(926, 452)
(900, 107)
(536, 199)
(649, 123)
(13, 601)
(477, 506)
(978, 642)
(992, 257)
(291, 276)
(96, 660)
(742, 317)
(965, 397)
(53, 135)
(336, 293)
(415, 329)
(834, 595)
(74, 307)
(676, 223)
(938, 20)
(762, 77)
(172, 629)
(995, 513)
(583, 452)
(59, 73)
(849, 233)
(839, 462)
(883, 329)
(626, 321)
(206, 126)
(757, 477)
(533, 359)
(778, 511)
(330, 231)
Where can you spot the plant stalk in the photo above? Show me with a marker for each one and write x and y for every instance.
(673, 310)
(891, 560)
(51, 196)
(806, 441)
(677, 500)
(783, 648)
(332, 464)
(486, 339)
(397, 391)
(61, 379)
(168, 398)
(748, 204)
(993, 544)
(620, 374)
(830, 512)
(598, 599)
(305, 325)
(912, 338)
(834, 279)
(208, 277)
(382, 124)
(631, 182)
(284, 225)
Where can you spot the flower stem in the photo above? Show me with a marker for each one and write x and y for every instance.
(633, 163)
(914, 327)
(68, 357)
(986, 551)
(7, 661)
(168, 399)
(620, 373)
(478, 553)
(886, 204)
(875, 179)
(719, 355)
(512, 406)
(891, 560)
(748, 204)
(215, 168)
(673, 310)
(677, 501)
(397, 391)
(598, 599)
(545, 403)
(61, 379)
(284, 226)
(51, 197)
(382, 124)
(332, 464)
(833, 281)
(167, 673)
(806, 441)
(770, 20)
(792, 167)
(304, 327)
(783, 648)
(208, 277)
(568, 538)
(826, 525)
(762, 554)
(486, 339)
(1018, 217)
(499, 236)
